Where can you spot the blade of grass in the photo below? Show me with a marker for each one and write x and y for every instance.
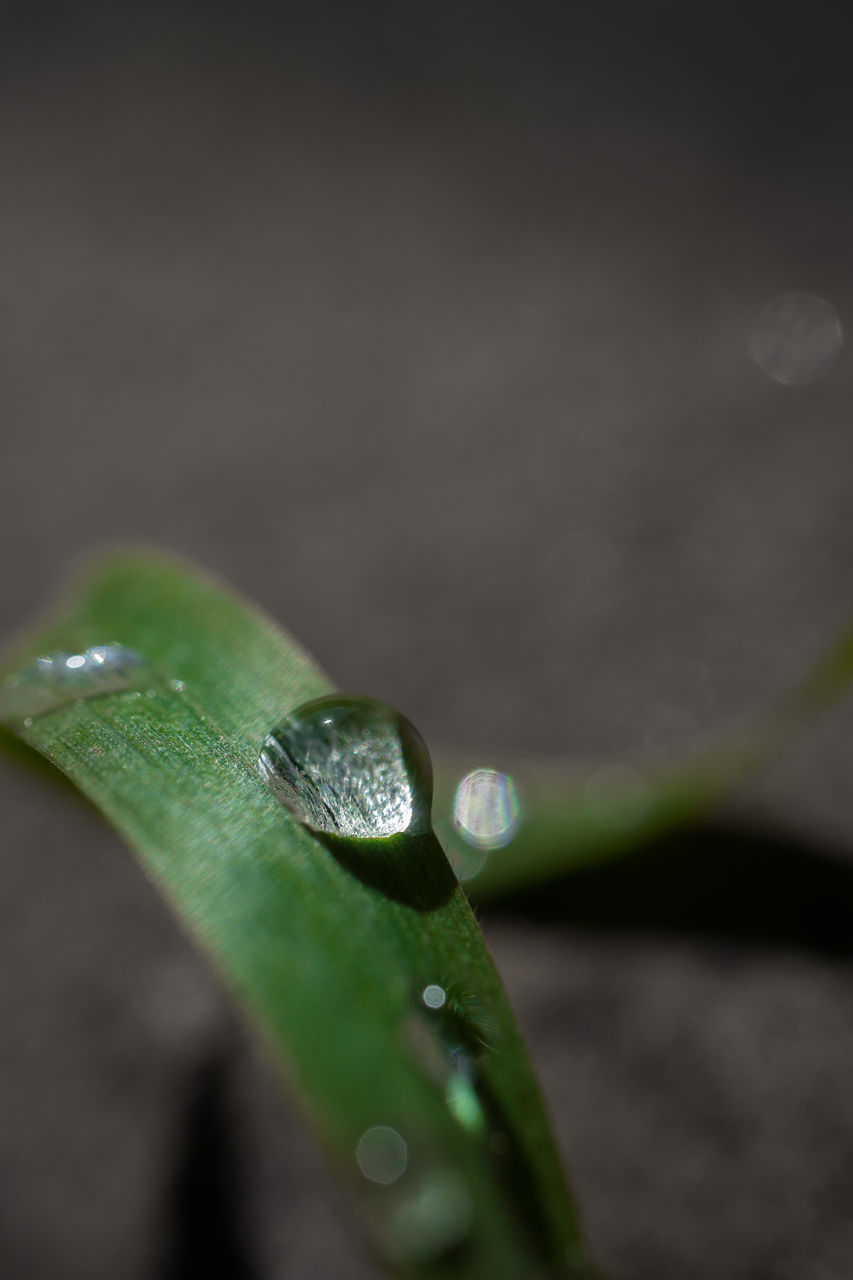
(329, 967)
(570, 821)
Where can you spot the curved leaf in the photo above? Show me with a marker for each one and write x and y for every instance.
(429, 1111)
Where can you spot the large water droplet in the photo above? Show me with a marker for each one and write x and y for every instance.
(350, 767)
(56, 680)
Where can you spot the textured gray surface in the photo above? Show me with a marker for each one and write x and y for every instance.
(429, 329)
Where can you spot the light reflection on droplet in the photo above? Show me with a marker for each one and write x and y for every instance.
(434, 996)
(436, 1218)
(76, 661)
(616, 796)
(796, 338)
(177, 686)
(486, 811)
(382, 1154)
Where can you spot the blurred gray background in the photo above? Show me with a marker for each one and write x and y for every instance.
(429, 327)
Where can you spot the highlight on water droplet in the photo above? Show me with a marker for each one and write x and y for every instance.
(350, 767)
(382, 1154)
(434, 1219)
(796, 338)
(486, 811)
(56, 680)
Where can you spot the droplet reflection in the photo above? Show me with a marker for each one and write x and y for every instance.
(350, 767)
(486, 811)
(796, 338)
(382, 1154)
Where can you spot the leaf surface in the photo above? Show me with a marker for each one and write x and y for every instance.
(432, 1116)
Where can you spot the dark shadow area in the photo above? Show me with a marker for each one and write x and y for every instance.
(411, 869)
(764, 888)
(206, 1238)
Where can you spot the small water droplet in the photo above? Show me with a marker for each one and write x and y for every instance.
(177, 686)
(27, 721)
(486, 811)
(434, 996)
(350, 767)
(796, 338)
(382, 1154)
(56, 680)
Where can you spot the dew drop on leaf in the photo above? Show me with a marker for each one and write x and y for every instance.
(56, 680)
(350, 767)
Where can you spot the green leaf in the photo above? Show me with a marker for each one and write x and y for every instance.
(328, 947)
(571, 820)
